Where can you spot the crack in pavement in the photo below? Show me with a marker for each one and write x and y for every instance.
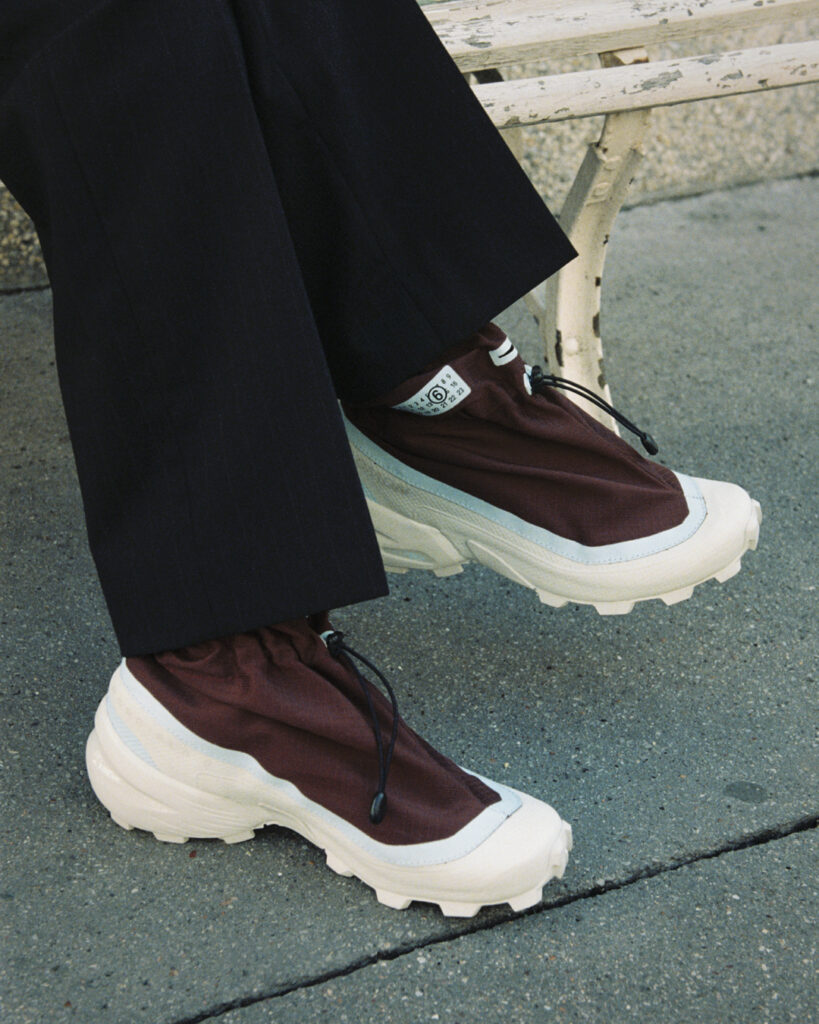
(760, 838)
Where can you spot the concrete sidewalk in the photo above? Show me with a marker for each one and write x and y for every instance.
(680, 742)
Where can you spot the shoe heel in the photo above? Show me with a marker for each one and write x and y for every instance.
(406, 544)
(137, 795)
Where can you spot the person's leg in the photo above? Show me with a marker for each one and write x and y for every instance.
(413, 223)
(202, 414)
(219, 489)
(194, 331)
(568, 508)
(229, 196)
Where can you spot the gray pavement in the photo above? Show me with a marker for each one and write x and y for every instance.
(679, 742)
(685, 943)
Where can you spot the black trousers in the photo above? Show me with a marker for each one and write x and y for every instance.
(248, 208)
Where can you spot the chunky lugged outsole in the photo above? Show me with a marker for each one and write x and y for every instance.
(138, 795)
(421, 529)
(406, 544)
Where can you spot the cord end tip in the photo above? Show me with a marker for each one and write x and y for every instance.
(649, 444)
(378, 808)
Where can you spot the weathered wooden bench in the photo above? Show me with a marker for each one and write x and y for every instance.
(485, 36)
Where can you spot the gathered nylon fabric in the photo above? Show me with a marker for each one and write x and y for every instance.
(279, 695)
(540, 457)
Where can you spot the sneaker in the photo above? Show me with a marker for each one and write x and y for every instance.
(279, 727)
(482, 460)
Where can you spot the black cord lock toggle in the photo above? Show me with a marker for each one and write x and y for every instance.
(339, 650)
(378, 808)
(540, 381)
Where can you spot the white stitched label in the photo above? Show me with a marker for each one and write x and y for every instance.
(446, 390)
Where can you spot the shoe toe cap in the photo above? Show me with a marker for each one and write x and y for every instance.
(530, 847)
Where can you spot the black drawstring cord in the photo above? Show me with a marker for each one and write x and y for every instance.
(540, 381)
(336, 646)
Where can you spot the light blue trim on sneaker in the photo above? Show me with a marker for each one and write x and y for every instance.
(125, 734)
(440, 851)
(603, 554)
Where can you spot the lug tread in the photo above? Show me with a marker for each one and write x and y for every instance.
(239, 837)
(728, 572)
(614, 607)
(409, 544)
(558, 858)
(449, 570)
(392, 899)
(144, 809)
(526, 900)
(485, 556)
(335, 863)
(170, 837)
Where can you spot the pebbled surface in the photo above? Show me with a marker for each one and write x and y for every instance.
(662, 737)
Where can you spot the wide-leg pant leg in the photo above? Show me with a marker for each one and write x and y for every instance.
(224, 205)
(413, 223)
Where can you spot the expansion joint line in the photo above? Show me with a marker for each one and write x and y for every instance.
(760, 838)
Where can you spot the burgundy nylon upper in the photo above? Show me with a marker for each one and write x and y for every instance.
(537, 456)
(280, 696)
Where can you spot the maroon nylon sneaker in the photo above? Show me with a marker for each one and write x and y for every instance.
(278, 726)
(465, 463)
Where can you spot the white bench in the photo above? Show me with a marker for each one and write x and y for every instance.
(484, 36)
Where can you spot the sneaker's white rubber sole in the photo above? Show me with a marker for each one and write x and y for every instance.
(130, 756)
(422, 524)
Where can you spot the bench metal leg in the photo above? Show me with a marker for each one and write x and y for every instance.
(567, 308)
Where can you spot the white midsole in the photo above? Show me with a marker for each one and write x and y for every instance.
(419, 526)
(208, 798)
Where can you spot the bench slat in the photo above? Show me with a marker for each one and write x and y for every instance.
(491, 33)
(640, 86)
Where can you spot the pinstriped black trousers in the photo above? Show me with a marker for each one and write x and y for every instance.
(248, 208)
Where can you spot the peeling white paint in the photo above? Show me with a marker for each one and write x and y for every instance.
(659, 84)
(483, 34)
(522, 30)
